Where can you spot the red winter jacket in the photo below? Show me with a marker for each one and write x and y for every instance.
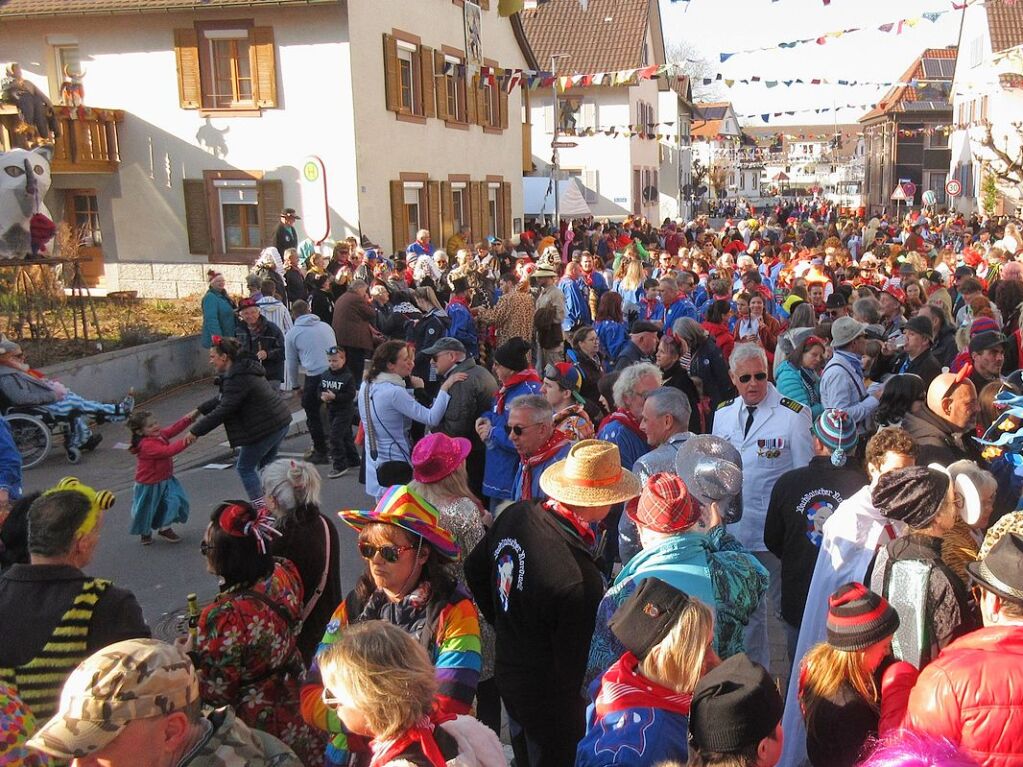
(155, 455)
(971, 694)
(722, 337)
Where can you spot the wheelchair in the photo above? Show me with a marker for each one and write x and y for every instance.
(34, 429)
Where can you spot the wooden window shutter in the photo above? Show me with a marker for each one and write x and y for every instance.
(197, 217)
(486, 225)
(426, 75)
(503, 100)
(481, 103)
(442, 86)
(434, 207)
(397, 216)
(264, 66)
(186, 52)
(447, 212)
(471, 101)
(392, 86)
(506, 210)
(476, 191)
(271, 203)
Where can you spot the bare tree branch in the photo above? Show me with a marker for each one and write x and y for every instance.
(1004, 167)
(696, 67)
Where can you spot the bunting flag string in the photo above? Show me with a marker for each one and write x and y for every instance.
(731, 82)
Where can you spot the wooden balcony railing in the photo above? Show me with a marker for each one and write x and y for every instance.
(88, 141)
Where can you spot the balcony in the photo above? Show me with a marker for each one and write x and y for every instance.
(86, 142)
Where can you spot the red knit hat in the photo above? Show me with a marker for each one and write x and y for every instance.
(859, 618)
(665, 505)
(897, 293)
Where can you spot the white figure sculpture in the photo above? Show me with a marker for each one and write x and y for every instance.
(24, 181)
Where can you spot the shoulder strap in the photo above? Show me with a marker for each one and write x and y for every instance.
(292, 624)
(371, 433)
(311, 604)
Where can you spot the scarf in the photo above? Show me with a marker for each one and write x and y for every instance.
(458, 300)
(570, 520)
(811, 384)
(626, 419)
(623, 687)
(420, 734)
(546, 451)
(523, 376)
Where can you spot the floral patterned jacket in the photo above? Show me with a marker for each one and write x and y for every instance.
(247, 658)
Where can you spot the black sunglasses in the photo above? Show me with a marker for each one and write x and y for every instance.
(748, 376)
(518, 430)
(390, 553)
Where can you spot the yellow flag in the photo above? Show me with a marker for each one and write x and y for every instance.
(508, 7)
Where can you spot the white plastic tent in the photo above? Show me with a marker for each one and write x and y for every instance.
(538, 198)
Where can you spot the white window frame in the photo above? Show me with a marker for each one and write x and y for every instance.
(248, 188)
(407, 53)
(458, 217)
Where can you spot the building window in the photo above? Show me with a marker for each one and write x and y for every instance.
(409, 76)
(238, 203)
(406, 78)
(459, 206)
(493, 208)
(86, 213)
(228, 65)
(937, 139)
(414, 217)
(68, 59)
(454, 91)
(492, 106)
(568, 112)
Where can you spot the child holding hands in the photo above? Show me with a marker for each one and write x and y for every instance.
(159, 500)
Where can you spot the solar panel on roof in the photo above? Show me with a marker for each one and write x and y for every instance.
(931, 68)
(948, 67)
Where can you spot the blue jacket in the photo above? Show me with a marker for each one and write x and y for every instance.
(217, 317)
(577, 309)
(700, 295)
(597, 285)
(651, 310)
(463, 327)
(629, 444)
(791, 384)
(502, 459)
(628, 732)
(630, 296)
(613, 336)
(10, 463)
(682, 307)
(536, 494)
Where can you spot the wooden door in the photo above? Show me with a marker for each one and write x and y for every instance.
(82, 212)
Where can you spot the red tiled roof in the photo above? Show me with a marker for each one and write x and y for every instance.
(1010, 80)
(895, 100)
(38, 8)
(1005, 23)
(608, 36)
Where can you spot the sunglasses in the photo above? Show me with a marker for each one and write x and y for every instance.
(390, 553)
(747, 377)
(519, 430)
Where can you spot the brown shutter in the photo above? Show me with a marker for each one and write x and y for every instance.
(506, 210)
(442, 86)
(426, 67)
(481, 103)
(264, 66)
(471, 101)
(503, 102)
(197, 217)
(447, 217)
(392, 86)
(186, 52)
(397, 216)
(433, 209)
(271, 203)
(475, 210)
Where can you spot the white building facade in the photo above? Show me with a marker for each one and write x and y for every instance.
(225, 105)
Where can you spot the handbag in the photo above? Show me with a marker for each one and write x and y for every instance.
(389, 473)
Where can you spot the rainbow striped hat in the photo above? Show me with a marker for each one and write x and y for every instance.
(404, 508)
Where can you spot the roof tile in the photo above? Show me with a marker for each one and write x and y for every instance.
(1005, 22)
(895, 100)
(41, 8)
(608, 36)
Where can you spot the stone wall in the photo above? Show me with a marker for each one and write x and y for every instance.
(161, 280)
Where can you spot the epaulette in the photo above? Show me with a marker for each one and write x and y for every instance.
(726, 403)
(791, 404)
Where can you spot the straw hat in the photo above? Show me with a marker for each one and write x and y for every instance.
(590, 475)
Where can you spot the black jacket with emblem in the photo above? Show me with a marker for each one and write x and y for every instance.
(539, 586)
(801, 502)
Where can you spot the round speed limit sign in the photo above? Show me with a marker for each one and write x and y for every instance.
(953, 188)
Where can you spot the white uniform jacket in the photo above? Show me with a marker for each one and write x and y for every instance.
(778, 440)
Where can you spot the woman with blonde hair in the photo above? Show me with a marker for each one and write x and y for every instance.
(851, 689)
(643, 698)
(630, 285)
(381, 685)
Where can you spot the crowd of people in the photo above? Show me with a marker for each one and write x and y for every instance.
(617, 470)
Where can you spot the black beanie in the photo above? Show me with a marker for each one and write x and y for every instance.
(734, 707)
(513, 354)
(913, 495)
(647, 616)
(859, 618)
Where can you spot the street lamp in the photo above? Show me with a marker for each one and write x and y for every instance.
(556, 122)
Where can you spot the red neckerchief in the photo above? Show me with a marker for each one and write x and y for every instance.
(627, 419)
(421, 733)
(547, 451)
(458, 300)
(588, 278)
(569, 518)
(622, 687)
(514, 380)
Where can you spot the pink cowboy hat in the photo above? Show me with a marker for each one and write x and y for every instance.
(435, 456)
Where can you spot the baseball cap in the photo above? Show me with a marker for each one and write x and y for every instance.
(445, 345)
(986, 340)
(568, 377)
(642, 326)
(130, 680)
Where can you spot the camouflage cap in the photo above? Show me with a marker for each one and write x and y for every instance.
(135, 679)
